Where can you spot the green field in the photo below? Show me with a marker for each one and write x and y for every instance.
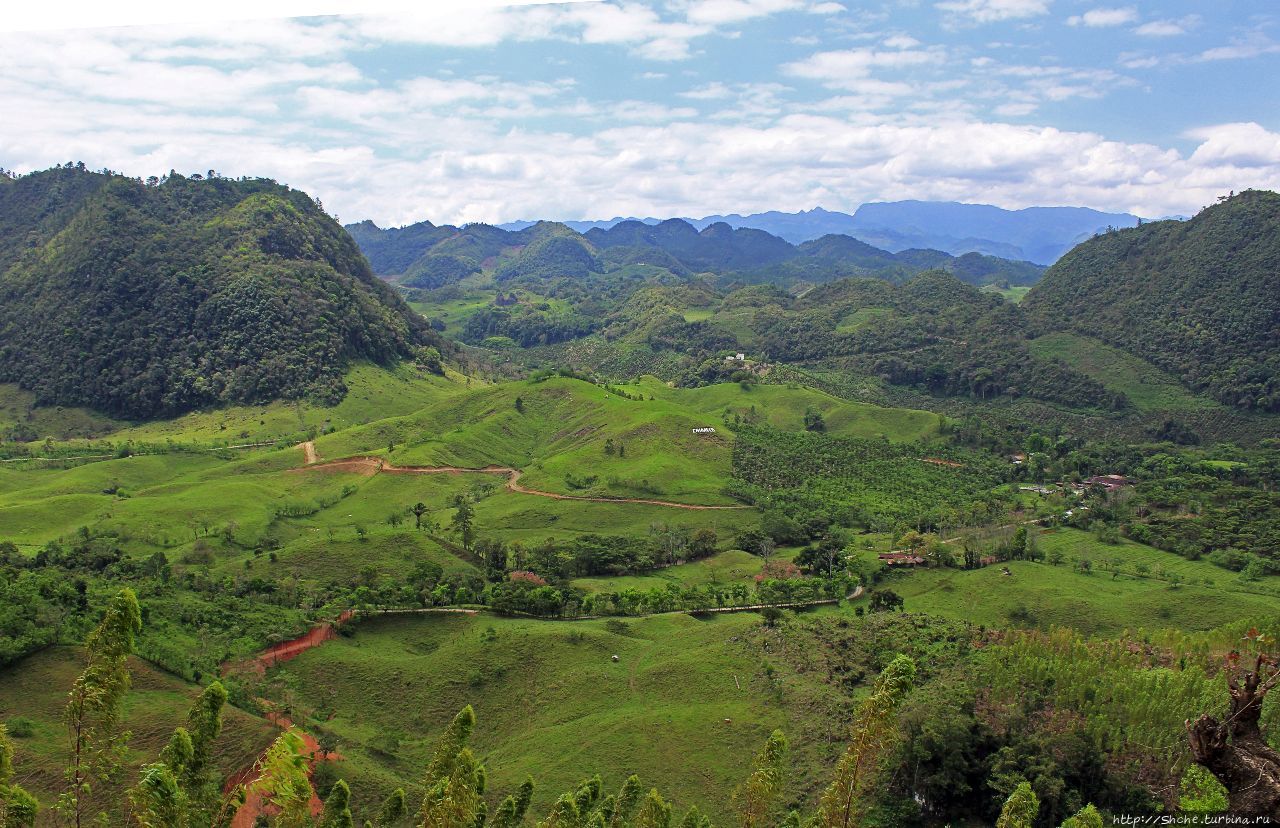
(1100, 603)
(36, 689)
(860, 318)
(1147, 387)
(684, 706)
(22, 419)
(1011, 294)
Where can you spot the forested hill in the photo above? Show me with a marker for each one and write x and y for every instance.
(424, 255)
(145, 300)
(1199, 298)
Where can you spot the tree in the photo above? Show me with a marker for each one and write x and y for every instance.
(94, 704)
(464, 520)
(510, 813)
(1086, 817)
(703, 543)
(392, 811)
(655, 812)
(17, 807)
(813, 421)
(282, 779)
(157, 801)
(337, 807)
(493, 553)
(874, 733)
(885, 600)
(453, 780)
(1235, 750)
(1020, 809)
(519, 405)
(759, 794)
(419, 509)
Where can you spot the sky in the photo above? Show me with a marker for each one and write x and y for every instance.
(590, 110)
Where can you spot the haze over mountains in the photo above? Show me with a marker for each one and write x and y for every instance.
(424, 255)
(1034, 234)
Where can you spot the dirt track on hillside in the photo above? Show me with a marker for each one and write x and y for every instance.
(373, 465)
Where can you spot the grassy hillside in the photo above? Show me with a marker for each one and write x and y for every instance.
(684, 706)
(1146, 386)
(1197, 298)
(35, 689)
(1100, 602)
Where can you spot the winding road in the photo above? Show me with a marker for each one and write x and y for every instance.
(374, 465)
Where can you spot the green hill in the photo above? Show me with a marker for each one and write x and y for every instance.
(148, 300)
(1200, 299)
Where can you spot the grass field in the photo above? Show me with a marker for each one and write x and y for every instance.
(728, 567)
(374, 392)
(1147, 387)
(1011, 294)
(684, 707)
(783, 407)
(1043, 595)
(36, 689)
(860, 318)
(20, 416)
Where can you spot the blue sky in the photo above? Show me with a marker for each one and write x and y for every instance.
(460, 112)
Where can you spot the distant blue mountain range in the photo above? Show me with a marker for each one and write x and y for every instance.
(1035, 234)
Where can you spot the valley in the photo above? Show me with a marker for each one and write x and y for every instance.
(636, 498)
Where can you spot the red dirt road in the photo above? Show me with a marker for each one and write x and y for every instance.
(373, 465)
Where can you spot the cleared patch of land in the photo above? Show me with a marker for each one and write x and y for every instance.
(1147, 387)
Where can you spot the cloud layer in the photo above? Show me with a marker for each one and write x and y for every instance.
(602, 109)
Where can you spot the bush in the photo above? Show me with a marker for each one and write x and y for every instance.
(20, 727)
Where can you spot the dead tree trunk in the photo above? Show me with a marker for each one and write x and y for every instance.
(1235, 750)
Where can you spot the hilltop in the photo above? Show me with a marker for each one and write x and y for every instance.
(143, 300)
(1200, 299)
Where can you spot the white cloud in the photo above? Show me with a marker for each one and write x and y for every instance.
(1245, 145)
(1168, 28)
(1253, 45)
(901, 42)
(1103, 18)
(305, 106)
(849, 68)
(991, 11)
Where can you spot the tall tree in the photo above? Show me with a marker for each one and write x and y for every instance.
(464, 520)
(1020, 809)
(393, 810)
(845, 802)
(93, 710)
(510, 813)
(17, 807)
(282, 779)
(454, 780)
(337, 807)
(759, 794)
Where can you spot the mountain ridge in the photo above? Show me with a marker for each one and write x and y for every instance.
(1036, 234)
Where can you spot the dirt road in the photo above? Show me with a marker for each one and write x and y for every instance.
(374, 465)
